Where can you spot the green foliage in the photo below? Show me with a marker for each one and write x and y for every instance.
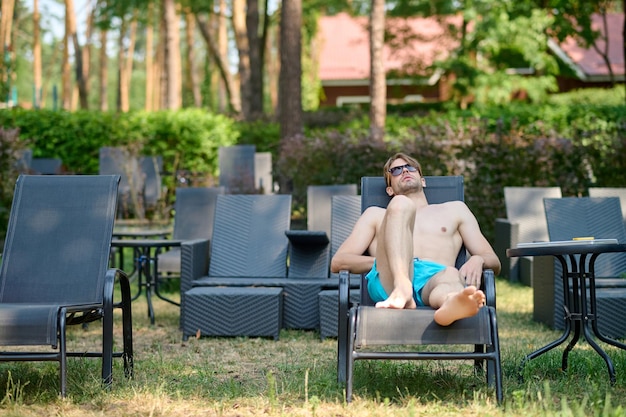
(187, 139)
(572, 142)
(11, 152)
(573, 147)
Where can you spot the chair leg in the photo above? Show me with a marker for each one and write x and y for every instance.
(342, 327)
(127, 327)
(62, 354)
(350, 358)
(107, 347)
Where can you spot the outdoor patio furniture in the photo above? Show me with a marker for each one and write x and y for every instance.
(525, 222)
(366, 332)
(345, 211)
(319, 201)
(237, 169)
(248, 249)
(573, 217)
(46, 166)
(118, 161)
(194, 212)
(55, 271)
(152, 169)
(611, 192)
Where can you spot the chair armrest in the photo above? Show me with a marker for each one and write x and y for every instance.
(506, 236)
(488, 286)
(194, 262)
(307, 237)
(342, 325)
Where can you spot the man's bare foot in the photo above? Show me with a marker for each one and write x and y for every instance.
(400, 298)
(460, 305)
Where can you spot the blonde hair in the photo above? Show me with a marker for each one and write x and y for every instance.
(400, 155)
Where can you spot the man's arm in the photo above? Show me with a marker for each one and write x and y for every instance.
(482, 254)
(351, 254)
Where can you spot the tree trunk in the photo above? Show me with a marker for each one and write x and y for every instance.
(290, 82)
(121, 94)
(66, 75)
(219, 61)
(191, 75)
(604, 53)
(173, 67)
(126, 62)
(6, 24)
(256, 63)
(36, 56)
(272, 64)
(150, 84)
(378, 90)
(243, 47)
(103, 72)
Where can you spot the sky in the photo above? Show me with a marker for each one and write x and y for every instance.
(52, 14)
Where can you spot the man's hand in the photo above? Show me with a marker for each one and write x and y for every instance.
(472, 271)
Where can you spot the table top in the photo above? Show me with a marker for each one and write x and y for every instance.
(567, 247)
(138, 232)
(145, 243)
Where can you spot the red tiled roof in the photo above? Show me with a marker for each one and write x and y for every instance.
(589, 62)
(344, 43)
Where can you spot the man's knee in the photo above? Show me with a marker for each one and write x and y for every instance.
(400, 204)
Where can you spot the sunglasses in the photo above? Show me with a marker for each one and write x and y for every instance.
(395, 171)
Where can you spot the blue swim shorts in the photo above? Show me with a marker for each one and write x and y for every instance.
(422, 272)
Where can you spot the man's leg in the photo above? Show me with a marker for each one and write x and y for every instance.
(446, 292)
(394, 253)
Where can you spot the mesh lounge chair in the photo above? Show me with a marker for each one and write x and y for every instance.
(525, 222)
(194, 211)
(364, 328)
(55, 270)
(579, 217)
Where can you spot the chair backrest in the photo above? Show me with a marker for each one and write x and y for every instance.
(249, 236)
(611, 192)
(46, 166)
(194, 212)
(263, 180)
(439, 189)
(151, 168)
(598, 217)
(117, 161)
(524, 206)
(237, 168)
(319, 201)
(345, 211)
(58, 239)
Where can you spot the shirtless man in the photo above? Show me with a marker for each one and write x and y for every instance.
(412, 247)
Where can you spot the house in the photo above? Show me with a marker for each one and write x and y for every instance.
(587, 64)
(416, 43)
(344, 59)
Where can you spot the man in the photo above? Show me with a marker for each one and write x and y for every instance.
(409, 249)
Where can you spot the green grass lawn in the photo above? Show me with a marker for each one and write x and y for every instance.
(296, 375)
